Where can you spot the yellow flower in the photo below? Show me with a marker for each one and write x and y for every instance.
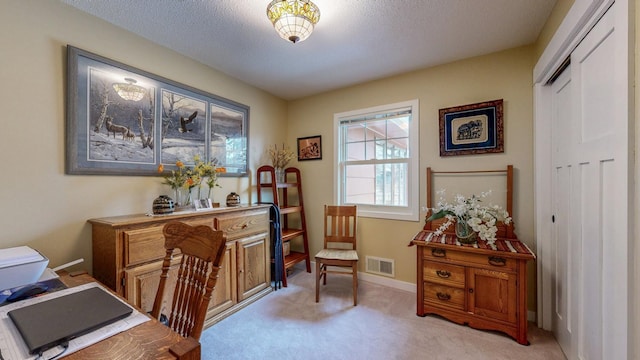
(189, 178)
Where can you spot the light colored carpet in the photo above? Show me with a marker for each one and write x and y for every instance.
(289, 324)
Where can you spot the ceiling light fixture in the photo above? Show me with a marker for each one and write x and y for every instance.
(293, 19)
(129, 90)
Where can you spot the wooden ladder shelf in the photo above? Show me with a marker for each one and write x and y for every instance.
(287, 195)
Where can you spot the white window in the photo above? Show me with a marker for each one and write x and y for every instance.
(377, 160)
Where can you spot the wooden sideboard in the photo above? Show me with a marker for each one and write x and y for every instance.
(478, 286)
(128, 252)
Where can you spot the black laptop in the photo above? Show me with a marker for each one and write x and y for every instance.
(54, 322)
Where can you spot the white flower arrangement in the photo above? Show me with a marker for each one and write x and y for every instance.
(482, 219)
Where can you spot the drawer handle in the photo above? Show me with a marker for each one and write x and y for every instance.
(497, 261)
(443, 274)
(444, 297)
(438, 252)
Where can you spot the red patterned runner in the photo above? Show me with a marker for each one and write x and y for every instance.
(515, 246)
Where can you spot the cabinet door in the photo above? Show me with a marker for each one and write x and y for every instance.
(492, 294)
(225, 293)
(254, 265)
(142, 285)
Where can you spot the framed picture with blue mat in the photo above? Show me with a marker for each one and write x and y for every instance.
(472, 129)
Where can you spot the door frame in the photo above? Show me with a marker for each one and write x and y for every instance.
(582, 16)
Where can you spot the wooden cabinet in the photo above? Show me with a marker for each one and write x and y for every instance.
(128, 252)
(483, 288)
(482, 285)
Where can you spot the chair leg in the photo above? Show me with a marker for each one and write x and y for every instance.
(324, 274)
(354, 269)
(317, 280)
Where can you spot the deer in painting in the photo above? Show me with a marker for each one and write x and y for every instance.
(130, 136)
(113, 128)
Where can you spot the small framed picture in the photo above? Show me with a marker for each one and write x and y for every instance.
(203, 204)
(310, 148)
(472, 129)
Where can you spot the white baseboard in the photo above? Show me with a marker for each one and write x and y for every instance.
(385, 281)
(380, 280)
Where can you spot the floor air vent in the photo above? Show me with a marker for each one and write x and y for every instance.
(380, 266)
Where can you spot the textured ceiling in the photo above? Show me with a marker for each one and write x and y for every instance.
(355, 40)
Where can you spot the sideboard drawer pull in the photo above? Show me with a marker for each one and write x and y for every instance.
(444, 297)
(438, 252)
(497, 261)
(443, 274)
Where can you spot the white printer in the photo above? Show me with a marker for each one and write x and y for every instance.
(20, 265)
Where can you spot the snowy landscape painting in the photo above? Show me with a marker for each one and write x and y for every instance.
(229, 138)
(184, 124)
(119, 130)
(126, 121)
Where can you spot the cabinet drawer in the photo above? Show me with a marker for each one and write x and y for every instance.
(497, 261)
(248, 223)
(443, 295)
(443, 273)
(147, 244)
(143, 245)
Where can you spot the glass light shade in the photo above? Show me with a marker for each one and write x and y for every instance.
(129, 90)
(293, 19)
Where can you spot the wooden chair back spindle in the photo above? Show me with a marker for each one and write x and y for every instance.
(202, 251)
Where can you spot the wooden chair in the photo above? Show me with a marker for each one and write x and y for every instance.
(202, 251)
(339, 246)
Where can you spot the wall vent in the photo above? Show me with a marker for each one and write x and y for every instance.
(380, 266)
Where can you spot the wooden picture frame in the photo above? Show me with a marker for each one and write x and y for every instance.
(116, 113)
(310, 148)
(472, 129)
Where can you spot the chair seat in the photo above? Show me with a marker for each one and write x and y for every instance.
(337, 254)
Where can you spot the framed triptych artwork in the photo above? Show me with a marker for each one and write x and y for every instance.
(126, 121)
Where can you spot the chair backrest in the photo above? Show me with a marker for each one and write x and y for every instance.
(340, 226)
(202, 251)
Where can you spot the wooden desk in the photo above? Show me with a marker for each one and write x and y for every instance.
(149, 340)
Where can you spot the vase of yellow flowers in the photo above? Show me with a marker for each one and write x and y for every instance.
(208, 173)
(279, 160)
(187, 182)
(177, 181)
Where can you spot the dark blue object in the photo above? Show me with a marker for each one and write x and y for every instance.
(27, 291)
(277, 259)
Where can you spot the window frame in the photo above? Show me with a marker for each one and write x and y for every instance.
(411, 212)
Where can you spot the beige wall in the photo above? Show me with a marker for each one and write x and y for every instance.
(505, 75)
(40, 205)
(560, 10)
